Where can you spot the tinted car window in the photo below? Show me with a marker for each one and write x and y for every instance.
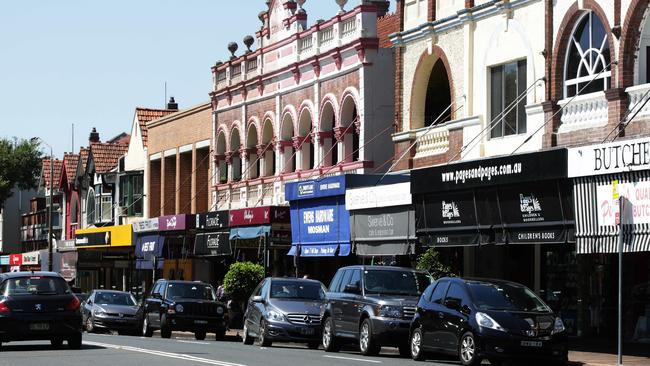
(31, 285)
(439, 292)
(391, 282)
(505, 296)
(457, 293)
(190, 291)
(156, 288)
(297, 290)
(345, 280)
(114, 298)
(265, 289)
(336, 281)
(356, 278)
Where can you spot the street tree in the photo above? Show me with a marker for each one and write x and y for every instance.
(20, 165)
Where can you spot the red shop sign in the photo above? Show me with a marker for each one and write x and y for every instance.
(15, 259)
(259, 216)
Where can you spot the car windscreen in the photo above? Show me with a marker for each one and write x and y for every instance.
(190, 291)
(391, 282)
(504, 296)
(114, 298)
(297, 290)
(36, 285)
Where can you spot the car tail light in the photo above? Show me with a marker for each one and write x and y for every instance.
(73, 305)
(4, 309)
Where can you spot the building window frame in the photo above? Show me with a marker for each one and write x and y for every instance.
(500, 99)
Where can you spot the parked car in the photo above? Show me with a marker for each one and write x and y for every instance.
(183, 306)
(111, 310)
(38, 306)
(287, 310)
(372, 305)
(480, 318)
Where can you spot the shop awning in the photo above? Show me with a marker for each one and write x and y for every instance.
(322, 250)
(147, 248)
(597, 229)
(212, 244)
(251, 232)
(383, 231)
(378, 249)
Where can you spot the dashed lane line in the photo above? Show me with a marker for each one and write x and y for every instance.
(352, 359)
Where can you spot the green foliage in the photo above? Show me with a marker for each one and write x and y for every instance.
(20, 165)
(430, 262)
(241, 280)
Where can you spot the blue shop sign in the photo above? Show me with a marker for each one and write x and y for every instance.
(320, 227)
(330, 186)
(147, 248)
(4, 260)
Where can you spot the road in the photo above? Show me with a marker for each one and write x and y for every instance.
(113, 350)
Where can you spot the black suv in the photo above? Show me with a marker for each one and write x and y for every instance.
(372, 305)
(183, 306)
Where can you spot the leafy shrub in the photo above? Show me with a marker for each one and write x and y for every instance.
(430, 262)
(241, 280)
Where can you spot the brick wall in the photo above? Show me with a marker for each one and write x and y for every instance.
(337, 85)
(183, 130)
(296, 98)
(185, 188)
(169, 186)
(154, 188)
(387, 25)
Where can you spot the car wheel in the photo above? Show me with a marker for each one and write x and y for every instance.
(467, 350)
(246, 338)
(262, 338)
(313, 345)
(199, 335)
(416, 345)
(330, 343)
(75, 341)
(56, 343)
(146, 329)
(367, 345)
(90, 325)
(165, 330)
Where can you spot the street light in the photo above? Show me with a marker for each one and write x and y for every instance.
(37, 140)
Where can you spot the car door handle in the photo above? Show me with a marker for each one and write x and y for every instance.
(441, 315)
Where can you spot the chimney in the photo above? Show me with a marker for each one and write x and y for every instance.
(382, 7)
(94, 136)
(172, 104)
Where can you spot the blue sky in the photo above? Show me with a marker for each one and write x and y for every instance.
(92, 62)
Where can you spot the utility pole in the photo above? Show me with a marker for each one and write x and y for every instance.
(49, 213)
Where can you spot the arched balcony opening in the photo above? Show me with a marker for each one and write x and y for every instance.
(266, 150)
(221, 164)
(304, 142)
(348, 133)
(327, 140)
(234, 157)
(251, 149)
(287, 156)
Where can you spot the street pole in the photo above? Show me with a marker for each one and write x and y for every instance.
(620, 281)
(49, 213)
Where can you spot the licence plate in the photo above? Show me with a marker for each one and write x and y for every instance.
(531, 344)
(307, 331)
(39, 326)
(200, 322)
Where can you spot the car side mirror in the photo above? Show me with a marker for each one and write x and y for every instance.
(352, 288)
(258, 299)
(453, 304)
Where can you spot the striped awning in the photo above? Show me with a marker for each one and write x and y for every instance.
(593, 236)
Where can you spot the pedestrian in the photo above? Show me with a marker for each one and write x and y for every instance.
(220, 291)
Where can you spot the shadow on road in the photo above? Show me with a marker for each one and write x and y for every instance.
(18, 347)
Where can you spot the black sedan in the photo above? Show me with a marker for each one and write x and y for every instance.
(38, 306)
(111, 310)
(285, 310)
(493, 319)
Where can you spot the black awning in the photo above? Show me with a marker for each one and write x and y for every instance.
(212, 244)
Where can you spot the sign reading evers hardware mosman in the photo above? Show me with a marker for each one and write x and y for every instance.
(545, 165)
(615, 157)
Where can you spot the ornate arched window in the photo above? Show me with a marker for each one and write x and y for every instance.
(90, 206)
(588, 58)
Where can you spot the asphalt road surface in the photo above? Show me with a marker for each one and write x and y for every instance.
(113, 350)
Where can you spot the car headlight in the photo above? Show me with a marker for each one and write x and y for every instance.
(485, 321)
(179, 308)
(275, 316)
(559, 326)
(99, 312)
(220, 310)
(388, 311)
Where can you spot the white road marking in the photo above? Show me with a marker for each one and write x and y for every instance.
(352, 359)
(192, 342)
(178, 356)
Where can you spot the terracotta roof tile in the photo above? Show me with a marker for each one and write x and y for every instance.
(70, 162)
(146, 115)
(46, 171)
(83, 155)
(106, 156)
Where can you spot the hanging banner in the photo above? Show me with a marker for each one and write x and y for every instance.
(638, 208)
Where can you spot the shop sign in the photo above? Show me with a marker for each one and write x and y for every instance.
(108, 236)
(637, 204)
(213, 244)
(31, 258)
(145, 225)
(91, 239)
(65, 245)
(531, 167)
(212, 220)
(259, 216)
(175, 223)
(330, 186)
(15, 259)
(379, 196)
(320, 221)
(386, 224)
(609, 158)
(4, 260)
(148, 247)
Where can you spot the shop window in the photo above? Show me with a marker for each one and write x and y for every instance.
(588, 58)
(507, 82)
